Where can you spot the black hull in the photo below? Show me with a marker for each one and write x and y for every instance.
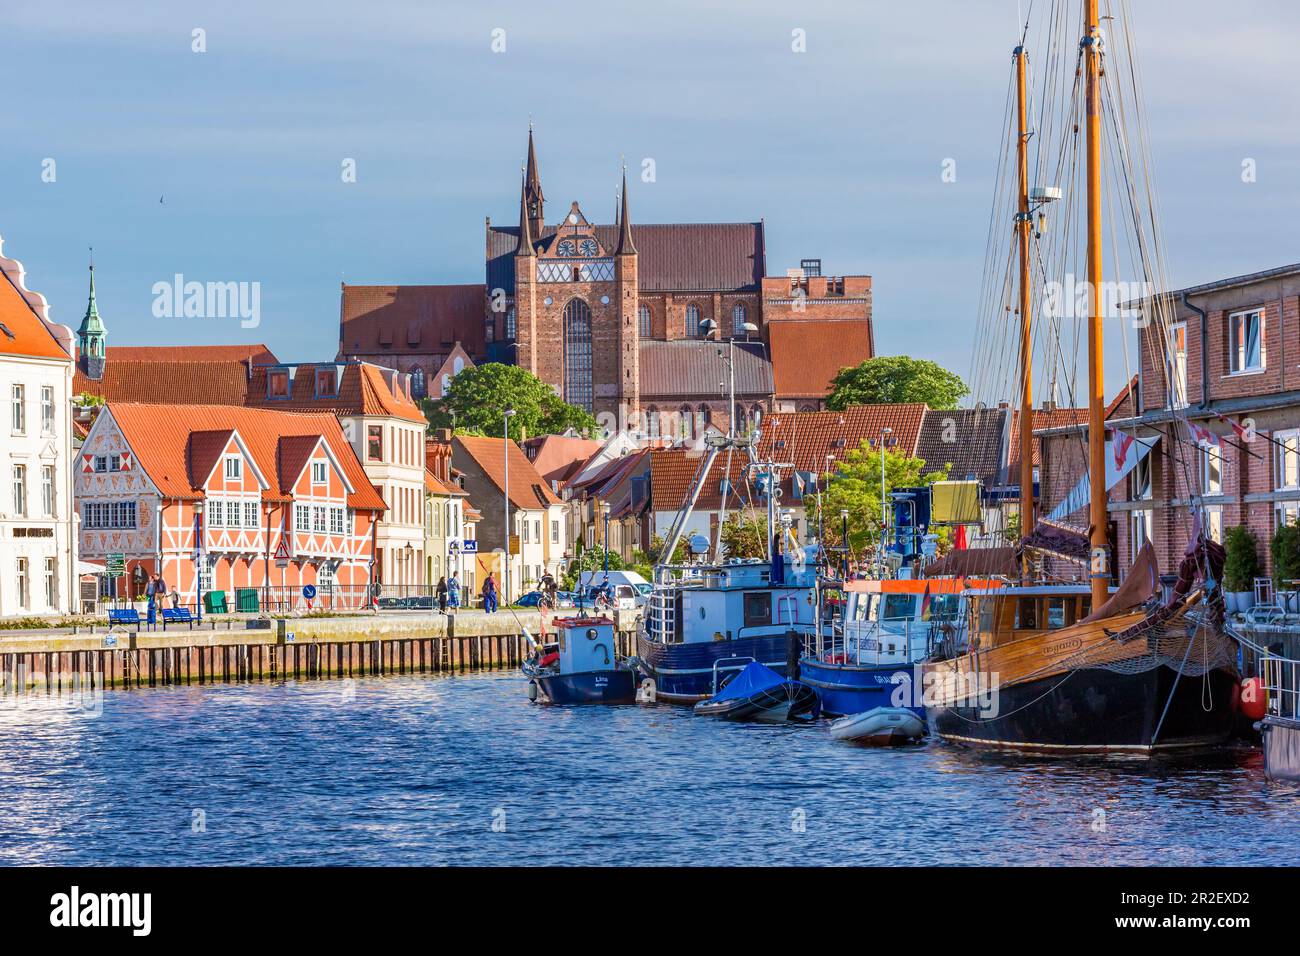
(1097, 711)
(593, 687)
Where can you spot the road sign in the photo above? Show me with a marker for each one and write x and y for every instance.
(470, 547)
(115, 564)
(309, 591)
(453, 546)
(282, 549)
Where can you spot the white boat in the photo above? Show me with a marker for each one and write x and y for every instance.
(880, 725)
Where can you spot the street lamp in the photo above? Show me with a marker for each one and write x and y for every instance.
(198, 560)
(707, 328)
(844, 540)
(604, 513)
(880, 544)
(505, 451)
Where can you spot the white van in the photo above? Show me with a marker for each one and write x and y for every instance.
(631, 591)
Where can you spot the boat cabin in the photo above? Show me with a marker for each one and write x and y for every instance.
(585, 644)
(1013, 613)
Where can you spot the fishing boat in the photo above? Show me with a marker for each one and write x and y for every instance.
(867, 657)
(580, 666)
(1055, 667)
(880, 726)
(759, 693)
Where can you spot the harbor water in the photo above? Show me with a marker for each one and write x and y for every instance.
(464, 770)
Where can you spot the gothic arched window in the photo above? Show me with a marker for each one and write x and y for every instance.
(738, 319)
(644, 321)
(693, 321)
(577, 354)
(685, 420)
(417, 382)
(652, 421)
(510, 323)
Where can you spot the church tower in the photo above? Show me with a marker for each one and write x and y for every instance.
(92, 337)
(525, 304)
(533, 198)
(625, 272)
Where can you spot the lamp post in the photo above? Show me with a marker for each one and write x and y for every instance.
(844, 541)
(198, 560)
(505, 452)
(880, 544)
(604, 513)
(707, 328)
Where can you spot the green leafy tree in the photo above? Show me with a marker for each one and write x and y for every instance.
(477, 397)
(896, 380)
(1285, 550)
(1242, 564)
(744, 535)
(855, 488)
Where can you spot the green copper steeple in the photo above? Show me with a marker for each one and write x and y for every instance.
(91, 335)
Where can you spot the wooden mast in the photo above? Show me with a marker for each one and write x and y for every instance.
(1100, 558)
(1023, 221)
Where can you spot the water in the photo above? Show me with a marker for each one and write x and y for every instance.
(417, 770)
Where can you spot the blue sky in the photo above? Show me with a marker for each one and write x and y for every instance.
(839, 148)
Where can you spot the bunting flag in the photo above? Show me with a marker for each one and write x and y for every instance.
(1202, 434)
(1122, 444)
(1238, 429)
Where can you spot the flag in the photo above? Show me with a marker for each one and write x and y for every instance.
(1202, 434)
(1122, 444)
(925, 603)
(1238, 428)
(959, 540)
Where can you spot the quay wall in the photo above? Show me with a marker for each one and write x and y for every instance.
(224, 652)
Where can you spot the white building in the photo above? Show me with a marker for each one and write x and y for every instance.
(38, 540)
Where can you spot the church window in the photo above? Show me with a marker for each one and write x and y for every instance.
(510, 322)
(577, 354)
(644, 320)
(738, 319)
(652, 421)
(693, 321)
(418, 385)
(685, 421)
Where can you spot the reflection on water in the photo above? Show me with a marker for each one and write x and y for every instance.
(430, 770)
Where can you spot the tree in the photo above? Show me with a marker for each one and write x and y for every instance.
(896, 380)
(744, 535)
(477, 397)
(855, 488)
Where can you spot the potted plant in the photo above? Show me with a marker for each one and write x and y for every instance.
(1285, 551)
(1240, 569)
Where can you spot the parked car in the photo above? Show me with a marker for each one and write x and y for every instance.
(563, 599)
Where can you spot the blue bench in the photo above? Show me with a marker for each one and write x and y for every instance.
(177, 615)
(123, 615)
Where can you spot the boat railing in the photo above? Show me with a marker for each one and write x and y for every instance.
(744, 661)
(1281, 679)
(865, 644)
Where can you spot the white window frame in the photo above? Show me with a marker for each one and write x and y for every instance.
(19, 421)
(1212, 485)
(47, 490)
(234, 468)
(51, 583)
(20, 490)
(1213, 521)
(1286, 456)
(319, 473)
(47, 410)
(1237, 342)
(1178, 365)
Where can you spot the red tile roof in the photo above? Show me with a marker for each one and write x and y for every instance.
(528, 489)
(1043, 418)
(23, 332)
(363, 389)
(434, 485)
(166, 439)
(555, 456)
(673, 470)
(223, 382)
(808, 353)
(810, 436)
(403, 319)
(256, 354)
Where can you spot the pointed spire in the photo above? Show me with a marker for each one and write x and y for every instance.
(91, 324)
(533, 189)
(91, 335)
(625, 247)
(525, 246)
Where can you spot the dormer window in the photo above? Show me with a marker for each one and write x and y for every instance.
(234, 468)
(327, 383)
(277, 383)
(318, 473)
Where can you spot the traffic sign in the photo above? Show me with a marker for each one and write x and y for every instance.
(282, 549)
(309, 591)
(470, 547)
(115, 564)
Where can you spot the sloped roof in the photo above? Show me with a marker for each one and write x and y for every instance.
(160, 437)
(809, 437)
(1043, 418)
(434, 485)
(971, 440)
(292, 454)
(808, 353)
(687, 368)
(411, 318)
(528, 489)
(203, 451)
(253, 353)
(23, 332)
(557, 456)
(216, 382)
(672, 470)
(671, 257)
(363, 389)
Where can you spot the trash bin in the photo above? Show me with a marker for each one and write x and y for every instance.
(214, 602)
(246, 600)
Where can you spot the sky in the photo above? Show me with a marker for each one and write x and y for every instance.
(226, 165)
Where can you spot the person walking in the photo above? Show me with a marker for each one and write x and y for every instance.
(154, 596)
(453, 591)
(442, 594)
(490, 594)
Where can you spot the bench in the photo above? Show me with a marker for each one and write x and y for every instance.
(123, 615)
(177, 615)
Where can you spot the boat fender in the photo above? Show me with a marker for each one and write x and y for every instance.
(532, 690)
(1254, 698)
(645, 693)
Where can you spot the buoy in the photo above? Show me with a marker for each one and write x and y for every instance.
(1254, 698)
(532, 690)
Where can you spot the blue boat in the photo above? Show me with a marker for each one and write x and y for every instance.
(761, 694)
(581, 666)
(868, 658)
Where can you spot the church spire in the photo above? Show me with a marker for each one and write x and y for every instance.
(525, 246)
(533, 197)
(91, 335)
(625, 247)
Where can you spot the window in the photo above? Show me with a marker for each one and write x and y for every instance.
(206, 573)
(555, 531)
(1178, 365)
(1288, 512)
(1139, 480)
(318, 519)
(685, 420)
(1027, 614)
(24, 594)
(577, 354)
(47, 410)
(216, 513)
(234, 469)
(374, 443)
(418, 382)
(336, 520)
(327, 383)
(739, 316)
(318, 473)
(47, 490)
(301, 518)
(1286, 452)
(1214, 523)
(20, 491)
(537, 530)
(489, 331)
(108, 515)
(644, 321)
(101, 463)
(525, 531)
(277, 383)
(1140, 531)
(250, 514)
(652, 421)
(51, 585)
(114, 462)
(20, 410)
(758, 608)
(693, 321)
(1246, 341)
(1211, 469)
(510, 322)
(325, 577)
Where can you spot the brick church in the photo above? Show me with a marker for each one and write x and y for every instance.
(613, 316)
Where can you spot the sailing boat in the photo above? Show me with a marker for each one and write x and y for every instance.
(1075, 668)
